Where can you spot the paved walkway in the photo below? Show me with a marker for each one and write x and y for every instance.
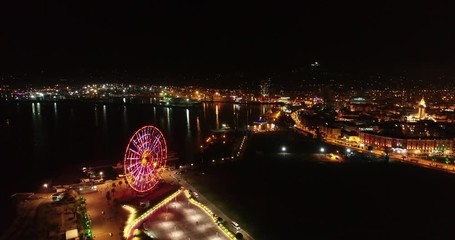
(180, 219)
(22, 225)
(107, 221)
(212, 207)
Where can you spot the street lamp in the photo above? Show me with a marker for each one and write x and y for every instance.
(283, 149)
(45, 185)
(101, 175)
(322, 150)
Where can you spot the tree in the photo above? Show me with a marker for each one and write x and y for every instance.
(108, 196)
(72, 195)
(116, 202)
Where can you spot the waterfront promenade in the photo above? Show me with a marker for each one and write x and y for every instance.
(211, 206)
(188, 221)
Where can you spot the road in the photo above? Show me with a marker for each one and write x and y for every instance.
(399, 157)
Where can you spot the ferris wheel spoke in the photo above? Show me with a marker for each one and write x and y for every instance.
(138, 142)
(137, 179)
(155, 142)
(142, 176)
(137, 153)
(147, 143)
(149, 134)
(155, 133)
(148, 171)
(133, 166)
(136, 145)
(133, 163)
(136, 173)
(142, 139)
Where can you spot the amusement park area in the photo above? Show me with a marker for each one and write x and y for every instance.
(139, 199)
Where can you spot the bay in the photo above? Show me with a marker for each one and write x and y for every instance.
(39, 140)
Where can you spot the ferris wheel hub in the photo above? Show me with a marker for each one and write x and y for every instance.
(146, 157)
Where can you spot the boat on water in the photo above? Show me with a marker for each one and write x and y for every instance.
(179, 102)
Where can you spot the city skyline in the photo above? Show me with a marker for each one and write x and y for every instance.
(223, 120)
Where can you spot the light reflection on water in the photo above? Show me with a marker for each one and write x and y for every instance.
(55, 111)
(188, 132)
(53, 134)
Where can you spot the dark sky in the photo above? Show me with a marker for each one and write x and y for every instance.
(212, 36)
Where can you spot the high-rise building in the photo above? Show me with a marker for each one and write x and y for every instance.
(421, 113)
(265, 87)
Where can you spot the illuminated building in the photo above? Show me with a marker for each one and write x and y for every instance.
(417, 146)
(421, 107)
(265, 88)
(421, 113)
(359, 104)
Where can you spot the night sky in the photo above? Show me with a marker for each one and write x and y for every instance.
(225, 36)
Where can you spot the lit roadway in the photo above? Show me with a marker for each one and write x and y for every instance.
(399, 157)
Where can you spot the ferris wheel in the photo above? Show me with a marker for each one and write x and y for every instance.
(145, 154)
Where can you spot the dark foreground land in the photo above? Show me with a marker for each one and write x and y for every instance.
(295, 196)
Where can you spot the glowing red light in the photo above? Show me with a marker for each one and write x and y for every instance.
(145, 154)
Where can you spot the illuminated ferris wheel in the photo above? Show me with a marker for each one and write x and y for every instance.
(145, 154)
